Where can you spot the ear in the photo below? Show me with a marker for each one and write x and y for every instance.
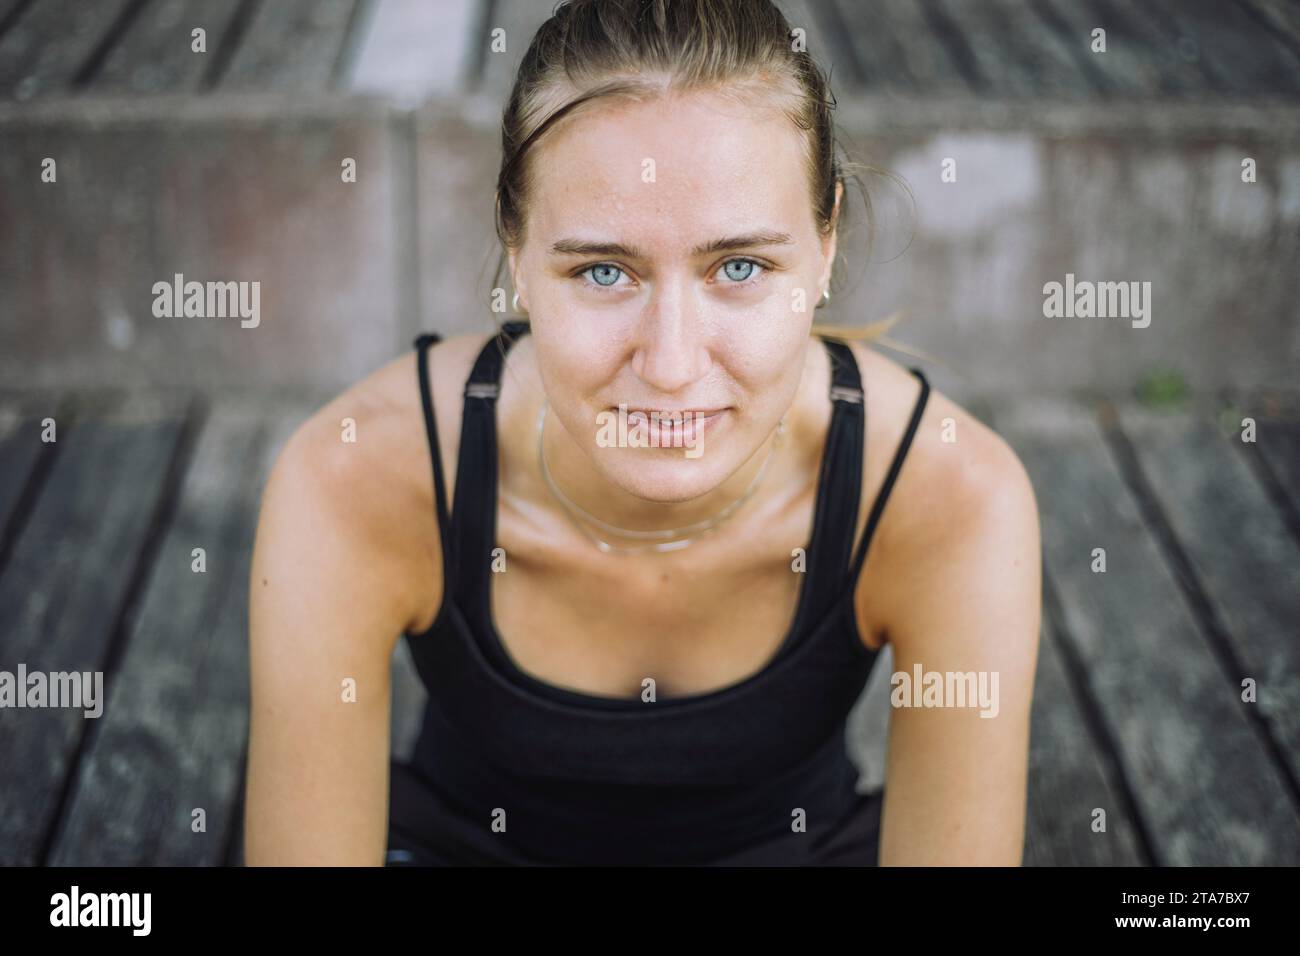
(831, 240)
(516, 282)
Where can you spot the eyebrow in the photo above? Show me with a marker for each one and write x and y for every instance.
(582, 247)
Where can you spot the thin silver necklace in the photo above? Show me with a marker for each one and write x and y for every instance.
(666, 540)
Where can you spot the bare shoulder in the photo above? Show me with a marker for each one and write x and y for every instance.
(351, 494)
(957, 464)
(961, 493)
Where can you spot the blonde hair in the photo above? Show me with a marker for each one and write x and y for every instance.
(857, 333)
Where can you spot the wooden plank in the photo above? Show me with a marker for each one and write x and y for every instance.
(10, 10)
(1238, 54)
(1275, 453)
(177, 715)
(20, 450)
(52, 39)
(1278, 445)
(1069, 42)
(899, 49)
(1152, 34)
(290, 45)
(1282, 16)
(936, 22)
(1200, 775)
(1070, 778)
(872, 59)
(1240, 552)
(999, 60)
(1125, 68)
(1056, 68)
(62, 591)
(155, 55)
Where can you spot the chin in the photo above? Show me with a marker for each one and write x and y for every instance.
(666, 474)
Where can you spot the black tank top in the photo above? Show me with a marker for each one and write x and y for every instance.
(587, 779)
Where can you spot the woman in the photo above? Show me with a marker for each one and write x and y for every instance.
(627, 536)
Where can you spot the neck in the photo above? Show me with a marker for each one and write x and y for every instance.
(578, 481)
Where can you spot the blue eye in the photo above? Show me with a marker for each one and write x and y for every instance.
(747, 267)
(602, 272)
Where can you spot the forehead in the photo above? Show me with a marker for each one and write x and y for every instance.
(670, 167)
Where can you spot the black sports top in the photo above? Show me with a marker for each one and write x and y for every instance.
(692, 779)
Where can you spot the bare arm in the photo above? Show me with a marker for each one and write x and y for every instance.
(955, 780)
(327, 599)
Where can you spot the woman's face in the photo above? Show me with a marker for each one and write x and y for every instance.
(671, 266)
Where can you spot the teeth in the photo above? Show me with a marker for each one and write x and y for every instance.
(663, 416)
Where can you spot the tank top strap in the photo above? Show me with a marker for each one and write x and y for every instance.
(474, 506)
(878, 506)
(839, 483)
(422, 343)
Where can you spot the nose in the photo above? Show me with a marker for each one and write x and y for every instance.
(671, 351)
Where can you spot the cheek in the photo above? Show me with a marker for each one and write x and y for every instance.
(573, 365)
(768, 362)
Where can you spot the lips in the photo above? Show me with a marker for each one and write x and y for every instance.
(702, 414)
(675, 428)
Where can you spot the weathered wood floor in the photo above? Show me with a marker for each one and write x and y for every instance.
(1157, 49)
(1138, 707)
